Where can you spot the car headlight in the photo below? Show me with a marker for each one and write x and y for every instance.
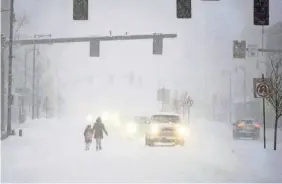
(131, 128)
(154, 129)
(105, 116)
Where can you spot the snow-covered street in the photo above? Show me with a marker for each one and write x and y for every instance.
(53, 151)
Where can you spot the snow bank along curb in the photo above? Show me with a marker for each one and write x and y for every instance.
(28, 124)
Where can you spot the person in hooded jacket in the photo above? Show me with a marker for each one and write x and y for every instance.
(88, 134)
(99, 129)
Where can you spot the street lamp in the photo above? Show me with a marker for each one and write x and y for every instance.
(27, 52)
(34, 70)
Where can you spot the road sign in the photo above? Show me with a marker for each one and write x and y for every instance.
(163, 95)
(261, 87)
(239, 49)
(189, 102)
(183, 98)
(94, 48)
(252, 50)
(158, 44)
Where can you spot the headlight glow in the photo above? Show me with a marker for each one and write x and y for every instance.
(181, 131)
(89, 118)
(105, 116)
(131, 128)
(154, 129)
(116, 116)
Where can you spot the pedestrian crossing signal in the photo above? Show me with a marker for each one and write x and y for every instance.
(80, 9)
(183, 9)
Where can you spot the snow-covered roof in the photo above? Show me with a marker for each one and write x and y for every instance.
(166, 114)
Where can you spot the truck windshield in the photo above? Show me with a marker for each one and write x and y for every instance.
(165, 118)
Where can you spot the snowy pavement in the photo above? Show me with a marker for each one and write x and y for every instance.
(53, 151)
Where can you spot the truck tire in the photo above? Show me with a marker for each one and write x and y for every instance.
(149, 142)
(180, 142)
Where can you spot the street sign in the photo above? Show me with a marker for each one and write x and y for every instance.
(94, 48)
(189, 102)
(261, 87)
(183, 98)
(157, 44)
(252, 50)
(239, 49)
(163, 95)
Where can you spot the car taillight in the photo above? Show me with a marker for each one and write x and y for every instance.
(240, 125)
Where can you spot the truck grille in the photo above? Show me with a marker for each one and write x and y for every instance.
(168, 132)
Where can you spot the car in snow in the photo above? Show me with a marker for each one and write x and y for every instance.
(136, 127)
(246, 128)
(165, 128)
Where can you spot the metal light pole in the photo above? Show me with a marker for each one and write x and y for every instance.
(25, 73)
(10, 71)
(34, 72)
(2, 83)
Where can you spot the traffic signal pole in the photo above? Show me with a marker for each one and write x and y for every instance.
(88, 39)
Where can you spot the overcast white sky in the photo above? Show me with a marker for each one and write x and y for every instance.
(203, 46)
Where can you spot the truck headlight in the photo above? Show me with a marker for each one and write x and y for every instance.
(154, 130)
(131, 128)
(181, 131)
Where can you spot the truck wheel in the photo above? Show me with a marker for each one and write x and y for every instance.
(146, 141)
(149, 142)
(180, 142)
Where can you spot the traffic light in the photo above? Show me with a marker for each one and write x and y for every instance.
(183, 9)
(261, 12)
(80, 9)
(157, 45)
(94, 48)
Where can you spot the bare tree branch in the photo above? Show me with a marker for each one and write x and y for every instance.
(275, 84)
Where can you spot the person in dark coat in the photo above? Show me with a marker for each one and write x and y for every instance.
(88, 134)
(99, 129)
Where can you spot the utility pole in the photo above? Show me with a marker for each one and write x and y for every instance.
(10, 71)
(2, 83)
(34, 74)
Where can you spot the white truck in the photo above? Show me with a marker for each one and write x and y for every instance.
(165, 128)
